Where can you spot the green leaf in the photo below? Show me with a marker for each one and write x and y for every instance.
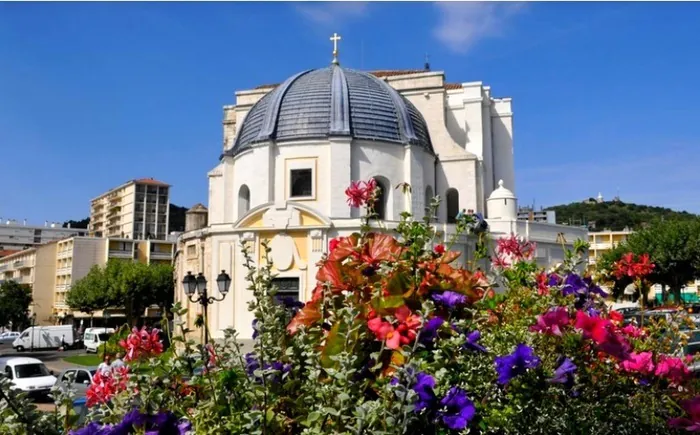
(334, 344)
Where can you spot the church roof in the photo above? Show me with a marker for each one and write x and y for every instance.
(501, 192)
(333, 102)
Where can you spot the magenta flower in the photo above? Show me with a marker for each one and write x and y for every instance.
(458, 409)
(673, 369)
(640, 363)
(552, 322)
(691, 424)
(515, 364)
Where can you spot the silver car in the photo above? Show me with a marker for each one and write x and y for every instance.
(79, 379)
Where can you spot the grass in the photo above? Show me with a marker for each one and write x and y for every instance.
(83, 360)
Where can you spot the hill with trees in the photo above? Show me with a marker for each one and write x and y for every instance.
(614, 215)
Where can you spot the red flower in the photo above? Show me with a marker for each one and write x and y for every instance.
(635, 269)
(439, 249)
(616, 317)
(594, 328)
(542, 284)
(361, 192)
(141, 343)
(105, 385)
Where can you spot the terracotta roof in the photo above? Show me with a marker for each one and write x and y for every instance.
(150, 181)
(381, 74)
(396, 72)
(6, 252)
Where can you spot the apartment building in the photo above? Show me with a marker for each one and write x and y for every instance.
(51, 269)
(138, 209)
(17, 236)
(77, 255)
(530, 214)
(34, 267)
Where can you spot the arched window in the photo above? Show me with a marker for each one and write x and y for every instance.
(428, 199)
(452, 199)
(382, 203)
(243, 201)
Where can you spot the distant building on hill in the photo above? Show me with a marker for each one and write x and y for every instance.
(530, 214)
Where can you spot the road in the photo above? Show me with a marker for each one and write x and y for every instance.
(54, 362)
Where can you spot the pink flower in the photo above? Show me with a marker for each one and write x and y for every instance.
(632, 331)
(439, 249)
(105, 385)
(513, 249)
(384, 331)
(361, 192)
(673, 369)
(141, 343)
(692, 424)
(641, 363)
(552, 322)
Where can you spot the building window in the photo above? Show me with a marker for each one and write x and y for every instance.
(381, 204)
(452, 199)
(243, 200)
(301, 182)
(287, 288)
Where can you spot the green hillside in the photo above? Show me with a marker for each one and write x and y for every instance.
(613, 215)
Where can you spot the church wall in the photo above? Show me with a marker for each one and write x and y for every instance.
(472, 101)
(488, 183)
(384, 160)
(302, 156)
(251, 168)
(217, 195)
(502, 135)
(432, 105)
(339, 178)
(460, 175)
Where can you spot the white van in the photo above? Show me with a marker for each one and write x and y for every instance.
(28, 374)
(44, 337)
(94, 337)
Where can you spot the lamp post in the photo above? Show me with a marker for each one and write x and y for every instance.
(31, 349)
(198, 284)
(105, 316)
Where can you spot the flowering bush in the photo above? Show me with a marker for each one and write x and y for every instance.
(397, 339)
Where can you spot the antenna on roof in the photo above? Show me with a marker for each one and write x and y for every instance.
(427, 62)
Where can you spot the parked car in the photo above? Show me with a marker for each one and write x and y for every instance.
(78, 379)
(94, 337)
(45, 337)
(8, 337)
(28, 374)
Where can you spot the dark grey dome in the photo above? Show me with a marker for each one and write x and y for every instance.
(330, 102)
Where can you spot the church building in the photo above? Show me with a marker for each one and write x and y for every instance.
(291, 149)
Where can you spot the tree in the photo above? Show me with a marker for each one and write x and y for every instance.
(15, 299)
(124, 284)
(674, 247)
(90, 293)
(83, 223)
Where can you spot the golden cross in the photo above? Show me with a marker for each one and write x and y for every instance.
(335, 38)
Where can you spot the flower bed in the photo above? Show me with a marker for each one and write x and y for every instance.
(397, 339)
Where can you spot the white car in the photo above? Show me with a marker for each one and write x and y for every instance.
(28, 374)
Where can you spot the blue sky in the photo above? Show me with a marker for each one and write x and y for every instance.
(94, 94)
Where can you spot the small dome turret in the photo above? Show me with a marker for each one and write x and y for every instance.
(502, 204)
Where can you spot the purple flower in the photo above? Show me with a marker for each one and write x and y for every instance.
(459, 410)
(251, 363)
(573, 284)
(449, 298)
(564, 374)
(471, 343)
(553, 279)
(167, 423)
(424, 389)
(131, 420)
(91, 429)
(517, 363)
(430, 330)
(280, 368)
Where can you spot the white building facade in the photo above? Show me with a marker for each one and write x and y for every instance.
(291, 150)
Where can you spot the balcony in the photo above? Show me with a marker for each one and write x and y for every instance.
(3, 267)
(121, 253)
(159, 255)
(64, 254)
(23, 264)
(64, 270)
(25, 279)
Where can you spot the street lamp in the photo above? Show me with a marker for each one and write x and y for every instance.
(198, 284)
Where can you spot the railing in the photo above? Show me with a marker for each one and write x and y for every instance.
(120, 252)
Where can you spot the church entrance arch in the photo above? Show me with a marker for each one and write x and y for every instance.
(452, 200)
